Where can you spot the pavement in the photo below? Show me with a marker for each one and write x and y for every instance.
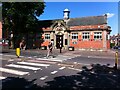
(109, 52)
(65, 53)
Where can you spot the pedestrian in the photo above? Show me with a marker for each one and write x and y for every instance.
(49, 48)
(22, 45)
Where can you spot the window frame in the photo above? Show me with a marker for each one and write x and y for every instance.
(47, 36)
(74, 36)
(97, 35)
(86, 36)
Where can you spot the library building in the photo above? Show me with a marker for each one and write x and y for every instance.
(81, 33)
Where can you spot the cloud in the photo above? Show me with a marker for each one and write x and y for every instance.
(109, 15)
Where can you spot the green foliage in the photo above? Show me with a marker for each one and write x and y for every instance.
(0, 11)
(111, 45)
(21, 16)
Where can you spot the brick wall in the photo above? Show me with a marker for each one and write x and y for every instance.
(88, 44)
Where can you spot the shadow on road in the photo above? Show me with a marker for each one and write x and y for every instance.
(98, 77)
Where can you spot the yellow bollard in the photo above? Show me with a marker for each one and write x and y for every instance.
(18, 52)
(116, 60)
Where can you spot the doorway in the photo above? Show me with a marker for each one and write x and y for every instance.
(58, 38)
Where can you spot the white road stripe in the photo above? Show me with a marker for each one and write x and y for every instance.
(21, 66)
(50, 59)
(1, 54)
(16, 72)
(34, 64)
(29, 57)
(1, 77)
(62, 68)
(11, 60)
(54, 72)
(11, 55)
(38, 61)
(43, 78)
(75, 69)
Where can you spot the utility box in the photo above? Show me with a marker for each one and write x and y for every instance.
(43, 47)
(71, 48)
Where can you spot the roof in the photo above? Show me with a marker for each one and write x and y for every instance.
(47, 23)
(83, 21)
(94, 20)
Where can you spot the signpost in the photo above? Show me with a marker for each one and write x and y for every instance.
(60, 45)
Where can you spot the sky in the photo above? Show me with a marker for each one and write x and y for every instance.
(54, 10)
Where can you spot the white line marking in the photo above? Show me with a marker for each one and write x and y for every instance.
(43, 78)
(1, 77)
(54, 72)
(29, 57)
(50, 59)
(75, 69)
(11, 60)
(34, 64)
(62, 68)
(25, 67)
(12, 55)
(38, 61)
(16, 72)
(1, 54)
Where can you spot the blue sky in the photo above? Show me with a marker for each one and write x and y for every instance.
(54, 10)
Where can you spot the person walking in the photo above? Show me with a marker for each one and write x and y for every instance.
(49, 48)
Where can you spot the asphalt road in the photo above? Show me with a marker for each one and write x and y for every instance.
(93, 60)
(41, 74)
(32, 69)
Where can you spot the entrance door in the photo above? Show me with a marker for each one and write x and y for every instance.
(58, 38)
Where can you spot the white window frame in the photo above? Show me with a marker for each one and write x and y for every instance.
(75, 36)
(97, 35)
(86, 35)
(47, 36)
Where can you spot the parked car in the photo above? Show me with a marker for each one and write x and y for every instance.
(116, 47)
(4, 45)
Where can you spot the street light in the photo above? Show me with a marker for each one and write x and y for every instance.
(60, 45)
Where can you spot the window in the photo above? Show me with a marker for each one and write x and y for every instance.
(47, 36)
(74, 35)
(86, 35)
(97, 35)
(74, 42)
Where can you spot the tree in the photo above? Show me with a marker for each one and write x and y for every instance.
(20, 17)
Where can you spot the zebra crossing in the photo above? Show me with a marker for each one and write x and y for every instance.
(21, 68)
(13, 68)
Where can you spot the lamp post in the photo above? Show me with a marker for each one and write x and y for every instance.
(60, 45)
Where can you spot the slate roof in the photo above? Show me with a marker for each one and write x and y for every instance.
(94, 20)
(47, 23)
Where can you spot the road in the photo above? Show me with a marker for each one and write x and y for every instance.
(33, 66)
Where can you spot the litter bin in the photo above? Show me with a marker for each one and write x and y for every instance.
(71, 48)
(43, 47)
(18, 52)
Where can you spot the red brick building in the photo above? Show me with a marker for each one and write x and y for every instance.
(82, 33)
